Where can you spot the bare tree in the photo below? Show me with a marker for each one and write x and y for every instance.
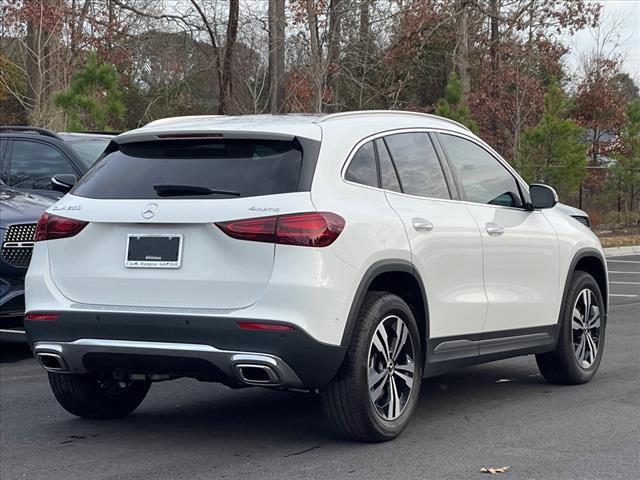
(462, 49)
(226, 89)
(39, 60)
(333, 53)
(317, 67)
(276, 23)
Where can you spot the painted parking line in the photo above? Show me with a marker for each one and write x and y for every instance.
(625, 283)
(622, 295)
(622, 261)
(625, 273)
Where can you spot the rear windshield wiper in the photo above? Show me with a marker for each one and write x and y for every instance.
(183, 190)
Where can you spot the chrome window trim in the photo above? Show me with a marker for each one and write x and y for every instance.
(427, 130)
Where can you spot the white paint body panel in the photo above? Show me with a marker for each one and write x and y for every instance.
(449, 260)
(521, 268)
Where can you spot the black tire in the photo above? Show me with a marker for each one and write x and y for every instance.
(89, 396)
(346, 400)
(562, 365)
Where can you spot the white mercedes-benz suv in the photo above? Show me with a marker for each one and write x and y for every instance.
(350, 255)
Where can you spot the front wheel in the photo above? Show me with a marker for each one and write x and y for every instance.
(97, 397)
(581, 337)
(376, 390)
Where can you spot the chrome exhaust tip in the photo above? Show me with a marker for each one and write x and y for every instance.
(254, 374)
(52, 362)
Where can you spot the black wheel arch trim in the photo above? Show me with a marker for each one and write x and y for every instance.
(579, 255)
(376, 269)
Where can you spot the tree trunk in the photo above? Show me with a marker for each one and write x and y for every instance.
(333, 55)
(38, 64)
(364, 37)
(494, 8)
(462, 52)
(494, 12)
(226, 89)
(34, 80)
(316, 55)
(277, 21)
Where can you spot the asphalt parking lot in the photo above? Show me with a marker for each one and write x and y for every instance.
(499, 414)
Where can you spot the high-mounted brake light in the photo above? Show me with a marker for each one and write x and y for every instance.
(51, 227)
(310, 229)
(41, 317)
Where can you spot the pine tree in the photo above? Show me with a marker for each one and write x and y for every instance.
(453, 106)
(624, 174)
(553, 151)
(93, 101)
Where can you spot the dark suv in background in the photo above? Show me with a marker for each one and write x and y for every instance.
(30, 158)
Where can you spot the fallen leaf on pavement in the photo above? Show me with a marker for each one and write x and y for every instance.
(494, 470)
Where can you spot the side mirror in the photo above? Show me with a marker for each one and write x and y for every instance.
(63, 182)
(542, 196)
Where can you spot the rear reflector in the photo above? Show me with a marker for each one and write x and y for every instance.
(51, 227)
(273, 327)
(311, 229)
(41, 317)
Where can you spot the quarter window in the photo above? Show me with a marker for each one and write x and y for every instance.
(32, 165)
(484, 179)
(415, 158)
(362, 168)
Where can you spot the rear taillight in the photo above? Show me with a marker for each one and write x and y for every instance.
(312, 229)
(51, 227)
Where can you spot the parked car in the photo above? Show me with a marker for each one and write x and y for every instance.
(30, 157)
(19, 212)
(29, 160)
(352, 254)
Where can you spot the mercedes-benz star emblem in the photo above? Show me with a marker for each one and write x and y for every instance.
(150, 210)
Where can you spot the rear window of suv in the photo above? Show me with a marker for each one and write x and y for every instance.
(195, 169)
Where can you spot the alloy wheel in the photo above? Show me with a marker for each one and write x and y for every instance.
(391, 367)
(585, 325)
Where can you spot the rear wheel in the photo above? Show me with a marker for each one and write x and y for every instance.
(581, 338)
(97, 397)
(376, 390)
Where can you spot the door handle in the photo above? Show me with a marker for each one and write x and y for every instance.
(494, 229)
(422, 225)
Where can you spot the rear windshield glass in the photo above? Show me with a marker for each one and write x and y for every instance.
(195, 169)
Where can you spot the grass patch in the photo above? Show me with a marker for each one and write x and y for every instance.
(620, 241)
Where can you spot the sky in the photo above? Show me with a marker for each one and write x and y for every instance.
(626, 12)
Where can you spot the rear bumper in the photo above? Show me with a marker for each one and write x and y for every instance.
(207, 348)
(83, 355)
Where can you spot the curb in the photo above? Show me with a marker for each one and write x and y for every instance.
(615, 251)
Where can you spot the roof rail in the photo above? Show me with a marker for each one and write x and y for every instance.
(25, 129)
(390, 112)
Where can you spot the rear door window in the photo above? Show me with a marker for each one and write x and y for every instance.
(195, 169)
(418, 166)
